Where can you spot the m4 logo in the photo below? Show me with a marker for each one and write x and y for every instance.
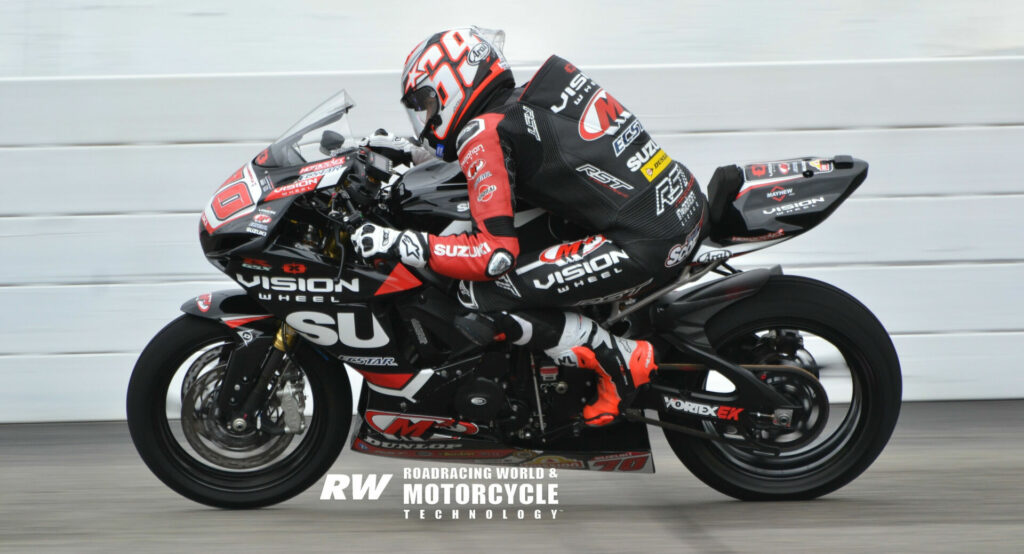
(602, 116)
(416, 427)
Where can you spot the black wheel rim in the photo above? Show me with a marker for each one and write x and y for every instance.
(835, 444)
(264, 478)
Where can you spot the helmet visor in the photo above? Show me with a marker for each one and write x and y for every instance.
(421, 105)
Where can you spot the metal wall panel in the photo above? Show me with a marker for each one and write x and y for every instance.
(100, 211)
(672, 98)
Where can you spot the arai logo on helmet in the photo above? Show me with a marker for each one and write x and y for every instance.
(602, 116)
(478, 53)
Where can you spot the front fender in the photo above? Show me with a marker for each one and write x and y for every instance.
(230, 306)
(684, 314)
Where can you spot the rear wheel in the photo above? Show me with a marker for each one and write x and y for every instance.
(172, 400)
(800, 322)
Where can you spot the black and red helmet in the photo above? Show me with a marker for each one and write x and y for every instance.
(447, 75)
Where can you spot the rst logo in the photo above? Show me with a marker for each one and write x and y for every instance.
(531, 122)
(602, 116)
(727, 413)
(604, 178)
(355, 330)
(669, 190)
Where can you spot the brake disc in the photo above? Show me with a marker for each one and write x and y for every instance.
(792, 429)
(212, 441)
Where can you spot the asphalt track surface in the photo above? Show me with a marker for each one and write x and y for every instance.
(951, 480)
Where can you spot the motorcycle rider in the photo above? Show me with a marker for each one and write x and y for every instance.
(563, 143)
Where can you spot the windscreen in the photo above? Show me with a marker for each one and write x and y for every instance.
(314, 136)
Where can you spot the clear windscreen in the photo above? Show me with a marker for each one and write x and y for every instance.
(314, 136)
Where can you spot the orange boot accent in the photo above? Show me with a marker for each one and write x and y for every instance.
(605, 409)
(641, 363)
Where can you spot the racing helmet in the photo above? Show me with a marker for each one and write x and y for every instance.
(446, 77)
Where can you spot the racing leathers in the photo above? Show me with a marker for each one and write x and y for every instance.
(563, 143)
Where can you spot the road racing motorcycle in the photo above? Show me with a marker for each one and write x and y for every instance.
(771, 386)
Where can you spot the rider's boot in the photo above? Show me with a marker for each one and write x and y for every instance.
(621, 365)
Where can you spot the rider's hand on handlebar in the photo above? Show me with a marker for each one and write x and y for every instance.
(399, 150)
(375, 240)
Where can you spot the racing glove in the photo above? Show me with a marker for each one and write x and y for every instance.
(399, 150)
(375, 240)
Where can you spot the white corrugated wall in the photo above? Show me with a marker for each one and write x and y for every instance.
(104, 176)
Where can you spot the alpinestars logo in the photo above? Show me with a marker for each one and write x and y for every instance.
(727, 413)
(409, 247)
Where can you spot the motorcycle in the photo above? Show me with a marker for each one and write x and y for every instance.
(770, 386)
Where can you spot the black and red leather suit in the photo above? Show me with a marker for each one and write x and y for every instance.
(564, 143)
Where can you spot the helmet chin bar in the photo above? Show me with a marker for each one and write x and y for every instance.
(429, 126)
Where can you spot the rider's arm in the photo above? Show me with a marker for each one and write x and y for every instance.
(490, 251)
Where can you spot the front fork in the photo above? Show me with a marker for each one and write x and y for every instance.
(253, 370)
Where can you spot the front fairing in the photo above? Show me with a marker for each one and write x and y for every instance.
(312, 154)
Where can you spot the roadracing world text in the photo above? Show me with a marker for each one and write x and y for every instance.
(437, 493)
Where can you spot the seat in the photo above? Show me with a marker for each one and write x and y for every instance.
(722, 190)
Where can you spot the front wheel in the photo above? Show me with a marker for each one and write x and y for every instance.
(172, 400)
(800, 322)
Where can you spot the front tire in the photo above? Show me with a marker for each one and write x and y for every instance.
(784, 304)
(227, 482)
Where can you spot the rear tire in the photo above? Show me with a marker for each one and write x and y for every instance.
(318, 446)
(828, 312)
